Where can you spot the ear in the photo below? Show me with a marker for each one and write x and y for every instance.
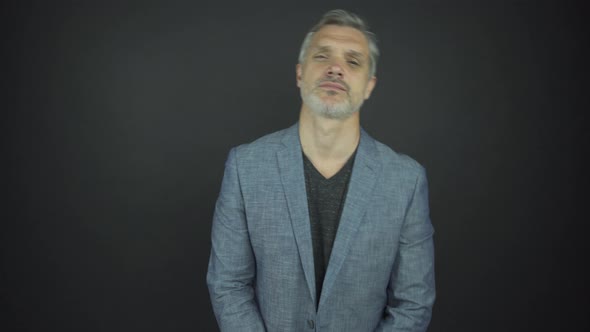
(370, 87)
(298, 73)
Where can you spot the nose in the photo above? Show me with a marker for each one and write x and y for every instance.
(334, 71)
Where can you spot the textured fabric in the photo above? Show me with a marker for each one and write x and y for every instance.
(381, 271)
(325, 199)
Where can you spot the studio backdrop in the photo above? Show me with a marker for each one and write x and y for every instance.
(119, 117)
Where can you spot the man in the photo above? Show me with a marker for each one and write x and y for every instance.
(319, 226)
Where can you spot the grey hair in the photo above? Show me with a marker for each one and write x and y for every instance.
(343, 18)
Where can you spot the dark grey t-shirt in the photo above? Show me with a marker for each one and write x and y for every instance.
(325, 199)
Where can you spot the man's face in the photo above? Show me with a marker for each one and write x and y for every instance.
(334, 77)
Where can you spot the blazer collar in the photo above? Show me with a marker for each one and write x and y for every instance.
(364, 176)
(290, 161)
(362, 181)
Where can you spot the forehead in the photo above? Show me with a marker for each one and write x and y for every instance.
(347, 38)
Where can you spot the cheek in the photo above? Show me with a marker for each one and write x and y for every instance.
(359, 93)
(363, 91)
(366, 93)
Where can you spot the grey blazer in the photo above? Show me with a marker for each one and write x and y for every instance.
(261, 272)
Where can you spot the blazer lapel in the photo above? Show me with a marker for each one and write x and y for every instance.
(290, 162)
(362, 181)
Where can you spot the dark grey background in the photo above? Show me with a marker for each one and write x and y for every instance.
(119, 117)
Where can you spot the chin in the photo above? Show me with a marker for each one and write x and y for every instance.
(338, 108)
(339, 111)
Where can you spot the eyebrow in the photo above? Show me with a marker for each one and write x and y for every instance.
(353, 53)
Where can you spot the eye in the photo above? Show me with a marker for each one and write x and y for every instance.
(320, 56)
(354, 63)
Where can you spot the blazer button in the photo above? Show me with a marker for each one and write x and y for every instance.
(311, 324)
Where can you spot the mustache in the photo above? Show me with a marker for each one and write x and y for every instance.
(333, 80)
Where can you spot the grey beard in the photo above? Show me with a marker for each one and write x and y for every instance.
(338, 111)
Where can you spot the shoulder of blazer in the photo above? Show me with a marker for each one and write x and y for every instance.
(266, 146)
(397, 161)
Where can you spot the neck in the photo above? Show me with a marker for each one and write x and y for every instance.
(328, 139)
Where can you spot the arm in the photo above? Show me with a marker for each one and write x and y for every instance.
(411, 289)
(232, 266)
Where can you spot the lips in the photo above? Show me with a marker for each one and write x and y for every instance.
(332, 85)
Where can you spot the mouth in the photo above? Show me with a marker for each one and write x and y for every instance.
(331, 85)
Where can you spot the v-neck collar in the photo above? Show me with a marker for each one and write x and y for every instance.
(311, 167)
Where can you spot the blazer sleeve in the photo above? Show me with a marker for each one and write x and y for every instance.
(411, 289)
(232, 266)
